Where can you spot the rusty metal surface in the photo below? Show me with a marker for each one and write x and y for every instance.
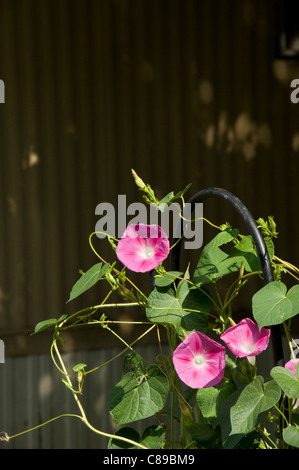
(181, 91)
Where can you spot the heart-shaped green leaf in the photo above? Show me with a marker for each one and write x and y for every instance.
(209, 266)
(273, 305)
(254, 399)
(138, 396)
(286, 380)
(291, 435)
(186, 308)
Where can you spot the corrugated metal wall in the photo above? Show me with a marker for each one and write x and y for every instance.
(180, 90)
(32, 393)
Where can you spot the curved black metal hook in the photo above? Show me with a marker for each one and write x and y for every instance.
(259, 243)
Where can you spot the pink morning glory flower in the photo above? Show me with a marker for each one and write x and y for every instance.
(199, 361)
(291, 366)
(245, 339)
(142, 247)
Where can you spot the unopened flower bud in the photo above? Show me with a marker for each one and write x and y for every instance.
(138, 180)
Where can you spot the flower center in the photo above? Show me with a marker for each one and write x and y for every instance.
(148, 252)
(199, 360)
(249, 348)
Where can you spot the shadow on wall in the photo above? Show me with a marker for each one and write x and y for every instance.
(243, 134)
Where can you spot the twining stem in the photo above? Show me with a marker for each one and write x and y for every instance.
(63, 368)
(288, 267)
(97, 307)
(281, 412)
(8, 438)
(122, 340)
(172, 409)
(286, 263)
(189, 310)
(83, 415)
(122, 352)
(235, 287)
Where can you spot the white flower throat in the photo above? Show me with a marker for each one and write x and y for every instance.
(199, 359)
(148, 251)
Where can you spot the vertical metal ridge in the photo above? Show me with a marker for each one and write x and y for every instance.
(43, 397)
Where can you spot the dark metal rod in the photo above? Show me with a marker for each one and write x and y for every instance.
(259, 243)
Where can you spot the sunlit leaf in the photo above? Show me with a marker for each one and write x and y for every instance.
(88, 279)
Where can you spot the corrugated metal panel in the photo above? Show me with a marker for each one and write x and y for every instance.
(180, 91)
(32, 393)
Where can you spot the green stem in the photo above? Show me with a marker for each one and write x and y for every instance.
(172, 411)
(218, 296)
(114, 269)
(122, 352)
(266, 437)
(189, 310)
(97, 307)
(281, 412)
(83, 415)
(290, 340)
(198, 288)
(8, 438)
(235, 287)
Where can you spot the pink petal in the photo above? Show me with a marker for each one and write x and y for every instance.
(210, 369)
(245, 339)
(291, 366)
(142, 247)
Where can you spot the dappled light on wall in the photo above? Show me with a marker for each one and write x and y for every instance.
(242, 136)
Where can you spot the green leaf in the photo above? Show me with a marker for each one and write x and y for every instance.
(42, 325)
(128, 433)
(79, 367)
(291, 435)
(225, 421)
(206, 399)
(254, 399)
(214, 263)
(167, 198)
(186, 309)
(167, 278)
(204, 434)
(286, 380)
(138, 396)
(245, 252)
(293, 296)
(272, 305)
(152, 438)
(164, 307)
(209, 265)
(170, 197)
(133, 362)
(88, 279)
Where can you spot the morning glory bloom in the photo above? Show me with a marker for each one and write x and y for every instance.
(291, 366)
(199, 361)
(245, 339)
(142, 247)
